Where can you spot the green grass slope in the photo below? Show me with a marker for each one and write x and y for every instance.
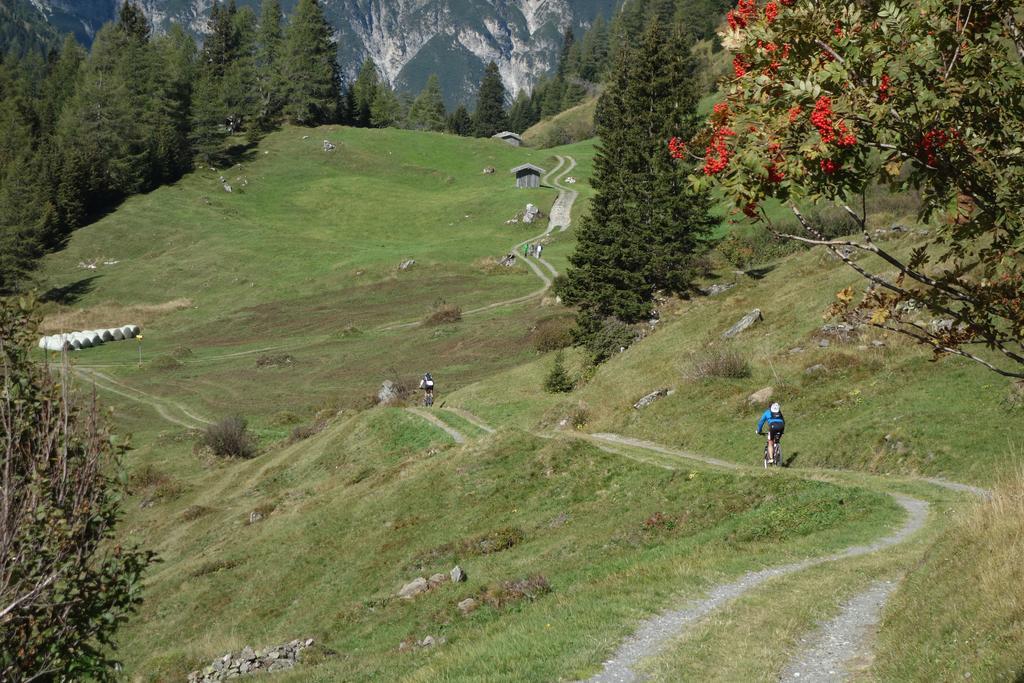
(572, 125)
(301, 258)
(850, 405)
(379, 498)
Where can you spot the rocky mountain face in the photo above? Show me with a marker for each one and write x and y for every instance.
(408, 39)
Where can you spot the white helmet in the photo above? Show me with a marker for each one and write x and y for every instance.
(776, 408)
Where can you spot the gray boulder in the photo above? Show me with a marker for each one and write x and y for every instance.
(761, 396)
(413, 588)
(652, 397)
(718, 288)
(468, 605)
(457, 574)
(388, 393)
(745, 323)
(815, 369)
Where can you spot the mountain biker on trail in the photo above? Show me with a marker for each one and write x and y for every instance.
(776, 426)
(427, 385)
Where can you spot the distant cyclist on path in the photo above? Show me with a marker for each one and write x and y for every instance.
(427, 385)
(776, 426)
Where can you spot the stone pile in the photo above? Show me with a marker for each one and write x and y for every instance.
(71, 341)
(422, 585)
(652, 397)
(248, 661)
(328, 146)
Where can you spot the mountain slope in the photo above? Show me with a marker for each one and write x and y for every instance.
(408, 39)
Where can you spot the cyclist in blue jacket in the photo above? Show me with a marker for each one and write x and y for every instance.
(776, 426)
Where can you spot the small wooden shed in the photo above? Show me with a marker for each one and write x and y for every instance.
(528, 176)
(509, 137)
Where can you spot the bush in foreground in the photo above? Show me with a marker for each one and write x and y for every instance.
(230, 437)
(64, 586)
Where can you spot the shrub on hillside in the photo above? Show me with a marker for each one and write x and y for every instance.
(720, 363)
(443, 314)
(744, 250)
(558, 381)
(552, 334)
(230, 437)
(509, 592)
(65, 587)
(608, 337)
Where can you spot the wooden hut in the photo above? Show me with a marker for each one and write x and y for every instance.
(528, 176)
(509, 137)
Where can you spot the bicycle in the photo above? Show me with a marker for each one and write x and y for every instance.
(777, 450)
(428, 399)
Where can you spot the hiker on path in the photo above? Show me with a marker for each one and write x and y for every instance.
(539, 248)
(526, 250)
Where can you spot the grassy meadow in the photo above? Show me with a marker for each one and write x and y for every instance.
(282, 301)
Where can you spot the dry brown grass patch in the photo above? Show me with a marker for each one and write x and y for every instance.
(108, 315)
(443, 314)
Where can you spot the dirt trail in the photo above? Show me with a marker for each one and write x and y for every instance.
(165, 408)
(830, 653)
(438, 422)
(842, 641)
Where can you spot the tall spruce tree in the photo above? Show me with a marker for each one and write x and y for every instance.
(309, 67)
(363, 92)
(647, 227)
(427, 112)
(490, 116)
(385, 110)
(460, 122)
(269, 84)
(521, 116)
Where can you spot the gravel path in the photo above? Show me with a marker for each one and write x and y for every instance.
(830, 653)
(561, 210)
(655, 633)
(438, 422)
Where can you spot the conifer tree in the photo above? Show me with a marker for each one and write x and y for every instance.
(427, 112)
(460, 122)
(490, 116)
(269, 85)
(363, 92)
(309, 67)
(521, 115)
(594, 52)
(647, 227)
(385, 110)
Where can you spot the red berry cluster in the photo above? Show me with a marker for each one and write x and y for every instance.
(883, 88)
(775, 172)
(931, 143)
(829, 166)
(739, 66)
(794, 113)
(717, 154)
(830, 132)
(677, 148)
(745, 12)
(771, 11)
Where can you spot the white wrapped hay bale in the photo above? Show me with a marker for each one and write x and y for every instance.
(136, 330)
(116, 334)
(94, 337)
(106, 335)
(128, 332)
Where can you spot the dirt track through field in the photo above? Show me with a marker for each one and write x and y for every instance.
(829, 652)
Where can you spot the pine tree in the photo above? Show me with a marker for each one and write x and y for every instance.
(594, 53)
(427, 112)
(239, 81)
(647, 227)
(521, 115)
(309, 67)
(490, 117)
(460, 122)
(176, 53)
(269, 84)
(207, 116)
(385, 110)
(364, 90)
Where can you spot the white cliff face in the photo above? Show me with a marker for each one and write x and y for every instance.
(523, 37)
